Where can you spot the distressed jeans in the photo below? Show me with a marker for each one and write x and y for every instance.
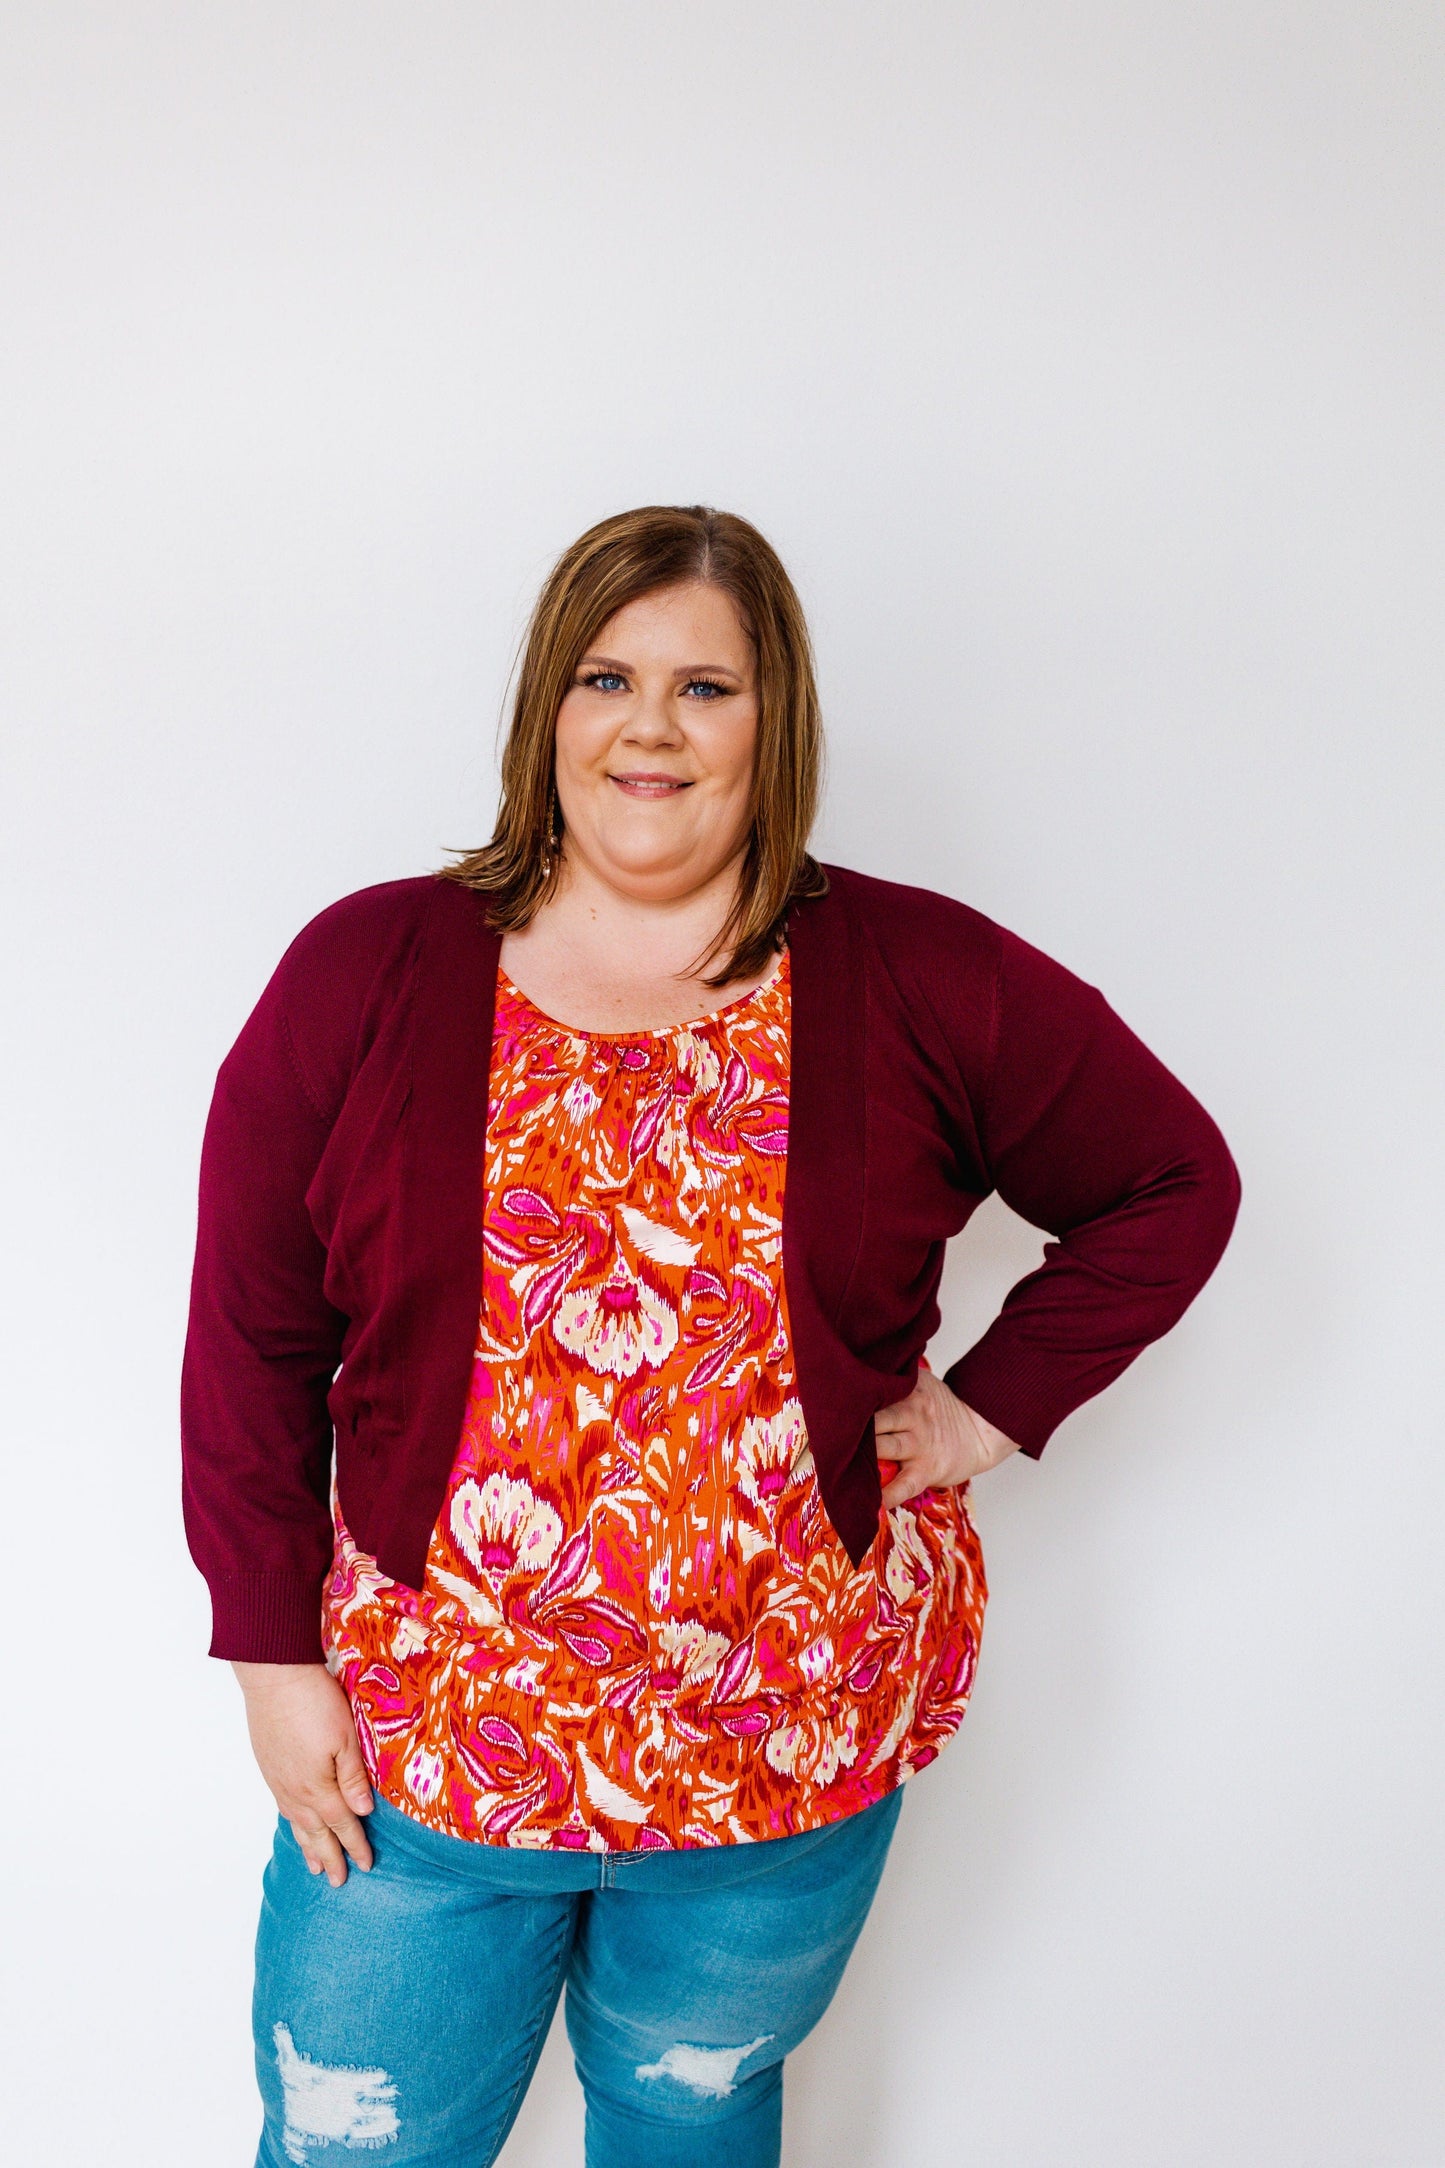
(404, 2012)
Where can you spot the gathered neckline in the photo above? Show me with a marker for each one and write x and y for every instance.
(765, 986)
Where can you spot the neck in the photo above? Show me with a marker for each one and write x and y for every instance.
(602, 960)
(664, 935)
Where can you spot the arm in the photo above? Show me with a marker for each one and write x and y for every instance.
(262, 1347)
(1087, 1135)
(264, 1344)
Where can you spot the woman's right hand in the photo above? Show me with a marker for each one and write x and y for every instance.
(305, 1744)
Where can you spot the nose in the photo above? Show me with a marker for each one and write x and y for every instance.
(653, 720)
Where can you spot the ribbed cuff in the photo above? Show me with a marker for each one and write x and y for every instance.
(1010, 1389)
(267, 1618)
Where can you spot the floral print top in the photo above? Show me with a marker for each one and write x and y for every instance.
(638, 1628)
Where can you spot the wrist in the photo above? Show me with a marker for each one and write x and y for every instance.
(996, 1445)
(262, 1677)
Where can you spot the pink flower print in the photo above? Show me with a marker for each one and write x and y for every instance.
(599, 1633)
(581, 1101)
(813, 1750)
(770, 1448)
(768, 1128)
(949, 1684)
(513, 1777)
(410, 1637)
(423, 1775)
(908, 1569)
(522, 1223)
(739, 1717)
(503, 1526)
(837, 1749)
(714, 1125)
(735, 1083)
(815, 1662)
(685, 1654)
(366, 1740)
(743, 1329)
(393, 1710)
(787, 1744)
(800, 1518)
(648, 1126)
(618, 1328)
(638, 1627)
(356, 1582)
(705, 1285)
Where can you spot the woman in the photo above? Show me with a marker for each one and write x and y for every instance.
(591, 1202)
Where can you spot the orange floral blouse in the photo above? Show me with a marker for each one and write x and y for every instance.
(638, 1628)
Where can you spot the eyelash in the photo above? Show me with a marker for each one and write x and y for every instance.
(594, 677)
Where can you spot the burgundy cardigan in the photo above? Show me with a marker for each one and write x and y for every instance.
(338, 1270)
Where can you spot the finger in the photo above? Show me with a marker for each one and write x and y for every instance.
(322, 1853)
(352, 1780)
(898, 1446)
(897, 1452)
(905, 1487)
(328, 1811)
(350, 1834)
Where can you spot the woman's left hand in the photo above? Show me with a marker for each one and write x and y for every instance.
(934, 1439)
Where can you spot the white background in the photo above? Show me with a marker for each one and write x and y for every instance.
(1083, 361)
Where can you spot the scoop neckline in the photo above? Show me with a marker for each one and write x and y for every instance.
(659, 1031)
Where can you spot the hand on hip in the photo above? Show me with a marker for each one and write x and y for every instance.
(933, 1439)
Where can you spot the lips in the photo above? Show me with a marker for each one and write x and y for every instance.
(640, 785)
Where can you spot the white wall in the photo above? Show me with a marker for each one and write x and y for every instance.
(1084, 362)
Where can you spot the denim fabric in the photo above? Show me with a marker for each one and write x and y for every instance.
(405, 2011)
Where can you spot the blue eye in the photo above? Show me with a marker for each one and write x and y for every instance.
(702, 689)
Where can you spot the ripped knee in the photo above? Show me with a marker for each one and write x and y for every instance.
(710, 2073)
(330, 2103)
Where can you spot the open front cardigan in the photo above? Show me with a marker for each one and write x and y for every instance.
(934, 1058)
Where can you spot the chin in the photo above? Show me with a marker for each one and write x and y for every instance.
(651, 874)
(644, 846)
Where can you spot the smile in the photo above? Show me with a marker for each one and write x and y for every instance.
(649, 786)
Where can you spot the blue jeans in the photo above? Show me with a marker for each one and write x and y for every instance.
(406, 2010)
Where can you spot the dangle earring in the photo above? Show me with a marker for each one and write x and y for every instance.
(553, 843)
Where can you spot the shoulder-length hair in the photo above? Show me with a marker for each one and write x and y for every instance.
(632, 554)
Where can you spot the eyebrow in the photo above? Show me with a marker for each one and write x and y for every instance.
(693, 669)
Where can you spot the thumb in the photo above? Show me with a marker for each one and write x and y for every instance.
(352, 1780)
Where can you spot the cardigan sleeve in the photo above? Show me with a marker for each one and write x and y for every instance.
(1088, 1136)
(262, 1347)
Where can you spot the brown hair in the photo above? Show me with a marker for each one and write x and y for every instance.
(632, 554)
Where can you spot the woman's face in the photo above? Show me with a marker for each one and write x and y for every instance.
(655, 744)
